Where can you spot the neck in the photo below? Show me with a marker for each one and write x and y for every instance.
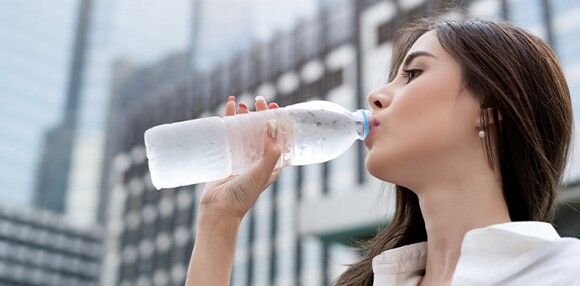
(452, 207)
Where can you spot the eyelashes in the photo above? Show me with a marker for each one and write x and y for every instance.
(411, 74)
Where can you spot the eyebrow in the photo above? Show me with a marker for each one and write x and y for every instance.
(413, 55)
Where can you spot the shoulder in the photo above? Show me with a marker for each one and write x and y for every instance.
(523, 253)
(556, 263)
(564, 250)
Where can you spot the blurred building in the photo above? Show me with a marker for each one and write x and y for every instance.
(220, 28)
(138, 33)
(53, 170)
(149, 239)
(36, 44)
(40, 59)
(151, 228)
(125, 35)
(297, 232)
(38, 248)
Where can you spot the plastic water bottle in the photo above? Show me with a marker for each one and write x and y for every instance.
(213, 148)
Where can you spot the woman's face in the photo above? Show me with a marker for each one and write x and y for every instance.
(426, 117)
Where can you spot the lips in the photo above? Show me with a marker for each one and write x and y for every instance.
(373, 124)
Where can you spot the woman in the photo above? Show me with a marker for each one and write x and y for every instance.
(474, 130)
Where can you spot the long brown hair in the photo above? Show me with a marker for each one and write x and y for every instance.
(518, 77)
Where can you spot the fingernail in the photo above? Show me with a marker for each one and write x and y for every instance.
(271, 127)
(243, 105)
(232, 98)
(272, 105)
(259, 97)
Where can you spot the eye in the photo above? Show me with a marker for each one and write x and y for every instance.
(411, 74)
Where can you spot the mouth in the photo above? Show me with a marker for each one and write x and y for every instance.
(373, 124)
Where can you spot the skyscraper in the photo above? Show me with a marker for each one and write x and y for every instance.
(119, 32)
(40, 248)
(53, 171)
(36, 44)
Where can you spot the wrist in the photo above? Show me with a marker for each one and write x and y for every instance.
(211, 220)
(214, 248)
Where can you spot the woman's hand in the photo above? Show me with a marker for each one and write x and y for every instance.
(235, 195)
(223, 205)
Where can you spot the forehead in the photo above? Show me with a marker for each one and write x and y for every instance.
(430, 43)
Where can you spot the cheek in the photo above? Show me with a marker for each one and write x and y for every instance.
(406, 146)
(420, 124)
(423, 115)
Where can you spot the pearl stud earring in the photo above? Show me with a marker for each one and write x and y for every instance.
(481, 131)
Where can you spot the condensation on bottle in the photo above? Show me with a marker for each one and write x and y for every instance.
(213, 148)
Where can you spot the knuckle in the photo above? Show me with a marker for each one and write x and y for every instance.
(276, 150)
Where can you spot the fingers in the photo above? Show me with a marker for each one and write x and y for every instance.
(273, 105)
(231, 106)
(242, 108)
(262, 174)
(261, 103)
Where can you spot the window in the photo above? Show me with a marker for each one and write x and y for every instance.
(385, 32)
(334, 79)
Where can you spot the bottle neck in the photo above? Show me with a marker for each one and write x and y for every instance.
(363, 119)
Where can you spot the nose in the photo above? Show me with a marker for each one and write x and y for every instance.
(379, 99)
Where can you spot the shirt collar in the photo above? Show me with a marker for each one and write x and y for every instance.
(406, 265)
(403, 265)
(507, 238)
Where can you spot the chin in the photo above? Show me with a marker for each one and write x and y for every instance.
(376, 167)
(386, 166)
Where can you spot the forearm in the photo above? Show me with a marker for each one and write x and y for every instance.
(213, 252)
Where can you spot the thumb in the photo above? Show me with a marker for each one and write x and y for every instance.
(259, 175)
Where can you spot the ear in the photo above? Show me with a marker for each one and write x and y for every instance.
(489, 120)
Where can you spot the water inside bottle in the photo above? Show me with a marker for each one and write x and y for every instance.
(321, 135)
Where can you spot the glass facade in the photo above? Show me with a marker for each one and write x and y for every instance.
(36, 40)
(566, 25)
(39, 248)
(120, 32)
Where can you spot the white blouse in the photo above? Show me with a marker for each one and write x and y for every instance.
(514, 253)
